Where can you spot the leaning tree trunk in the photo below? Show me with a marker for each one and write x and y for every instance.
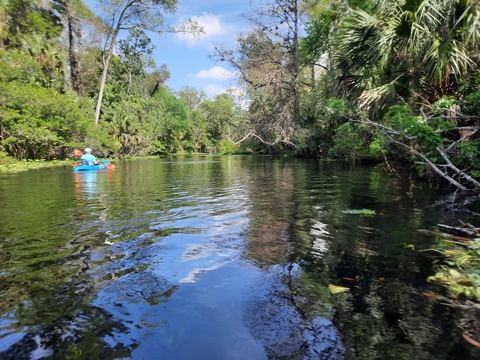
(106, 64)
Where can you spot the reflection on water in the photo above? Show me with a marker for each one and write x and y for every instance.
(279, 319)
(205, 257)
(86, 183)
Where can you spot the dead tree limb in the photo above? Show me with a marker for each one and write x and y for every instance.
(252, 134)
(460, 231)
(432, 165)
(441, 169)
(457, 170)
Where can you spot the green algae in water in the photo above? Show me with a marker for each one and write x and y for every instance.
(359, 212)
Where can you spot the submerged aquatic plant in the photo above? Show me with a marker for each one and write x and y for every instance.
(460, 272)
(359, 212)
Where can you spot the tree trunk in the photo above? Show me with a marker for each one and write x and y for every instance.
(106, 63)
(72, 55)
(314, 87)
(296, 66)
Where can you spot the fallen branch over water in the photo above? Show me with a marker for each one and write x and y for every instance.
(445, 235)
(466, 230)
(448, 149)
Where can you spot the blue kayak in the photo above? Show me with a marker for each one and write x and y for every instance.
(104, 164)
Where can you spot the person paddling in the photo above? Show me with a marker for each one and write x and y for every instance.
(88, 158)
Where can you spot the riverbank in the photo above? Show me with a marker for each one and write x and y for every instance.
(24, 165)
(9, 165)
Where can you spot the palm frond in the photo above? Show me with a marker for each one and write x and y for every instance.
(445, 57)
(377, 100)
(472, 23)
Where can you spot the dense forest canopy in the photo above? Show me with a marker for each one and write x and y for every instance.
(379, 80)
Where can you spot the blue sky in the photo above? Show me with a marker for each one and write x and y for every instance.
(187, 58)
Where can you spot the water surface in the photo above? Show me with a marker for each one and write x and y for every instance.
(209, 257)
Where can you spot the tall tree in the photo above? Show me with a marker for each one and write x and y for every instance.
(192, 97)
(281, 22)
(73, 14)
(268, 60)
(219, 115)
(134, 52)
(134, 14)
(156, 78)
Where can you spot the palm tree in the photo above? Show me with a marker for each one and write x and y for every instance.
(404, 46)
(45, 51)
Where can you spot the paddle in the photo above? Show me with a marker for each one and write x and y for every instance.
(107, 164)
(78, 153)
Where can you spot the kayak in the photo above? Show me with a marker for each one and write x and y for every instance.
(104, 164)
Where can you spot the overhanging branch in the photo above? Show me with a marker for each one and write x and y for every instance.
(440, 169)
(253, 134)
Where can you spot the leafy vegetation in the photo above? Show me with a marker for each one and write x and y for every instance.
(459, 271)
(379, 80)
(48, 91)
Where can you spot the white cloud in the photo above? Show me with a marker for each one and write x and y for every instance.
(213, 90)
(216, 72)
(212, 26)
(239, 94)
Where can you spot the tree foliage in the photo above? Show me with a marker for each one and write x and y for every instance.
(49, 52)
(379, 80)
(267, 59)
(406, 48)
(36, 120)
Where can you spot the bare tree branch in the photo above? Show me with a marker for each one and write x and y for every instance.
(437, 168)
(434, 167)
(457, 170)
(252, 134)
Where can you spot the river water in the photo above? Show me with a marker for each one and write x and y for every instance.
(222, 257)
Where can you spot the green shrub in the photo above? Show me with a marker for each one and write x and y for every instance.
(351, 141)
